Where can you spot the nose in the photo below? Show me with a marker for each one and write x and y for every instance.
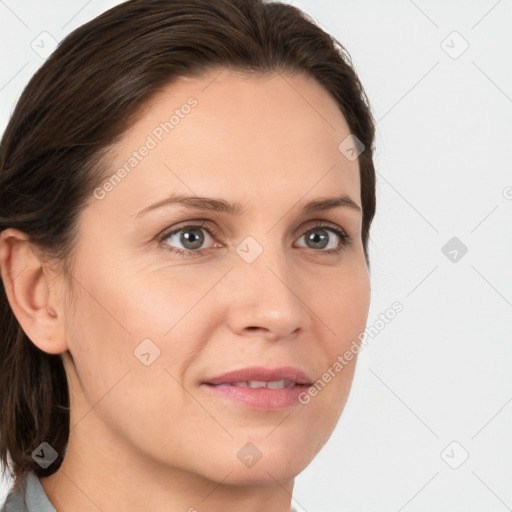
(266, 298)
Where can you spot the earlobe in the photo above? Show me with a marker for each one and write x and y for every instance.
(28, 290)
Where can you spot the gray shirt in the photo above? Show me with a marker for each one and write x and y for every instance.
(29, 496)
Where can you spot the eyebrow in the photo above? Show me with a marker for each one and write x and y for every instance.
(236, 208)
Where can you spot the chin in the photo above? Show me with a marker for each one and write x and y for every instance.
(258, 463)
(277, 462)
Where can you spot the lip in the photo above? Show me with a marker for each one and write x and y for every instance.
(265, 399)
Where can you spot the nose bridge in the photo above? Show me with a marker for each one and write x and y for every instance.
(263, 263)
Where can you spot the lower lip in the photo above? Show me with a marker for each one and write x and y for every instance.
(260, 398)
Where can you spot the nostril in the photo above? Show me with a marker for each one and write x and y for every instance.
(255, 328)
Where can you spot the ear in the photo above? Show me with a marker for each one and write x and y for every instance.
(32, 299)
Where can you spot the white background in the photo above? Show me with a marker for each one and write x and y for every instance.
(440, 371)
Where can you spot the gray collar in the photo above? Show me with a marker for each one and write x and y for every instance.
(28, 496)
(35, 497)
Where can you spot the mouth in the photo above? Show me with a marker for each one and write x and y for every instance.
(258, 376)
(261, 388)
(256, 384)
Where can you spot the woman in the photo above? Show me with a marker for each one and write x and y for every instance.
(186, 194)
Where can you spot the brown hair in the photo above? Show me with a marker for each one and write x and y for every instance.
(80, 102)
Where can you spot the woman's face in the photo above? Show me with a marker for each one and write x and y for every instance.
(271, 285)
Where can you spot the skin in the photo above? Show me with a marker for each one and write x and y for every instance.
(150, 437)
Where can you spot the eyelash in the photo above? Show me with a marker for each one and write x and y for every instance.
(344, 237)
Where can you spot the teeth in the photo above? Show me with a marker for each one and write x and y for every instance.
(257, 384)
(274, 384)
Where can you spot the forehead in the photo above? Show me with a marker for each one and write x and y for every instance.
(254, 134)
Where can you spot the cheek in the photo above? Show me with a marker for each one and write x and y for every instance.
(154, 299)
(131, 397)
(130, 317)
(345, 308)
(344, 312)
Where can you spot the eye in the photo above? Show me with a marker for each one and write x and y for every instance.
(191, 237)
(318, 238)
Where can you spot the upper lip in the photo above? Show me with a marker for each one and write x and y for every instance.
(260, 373)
